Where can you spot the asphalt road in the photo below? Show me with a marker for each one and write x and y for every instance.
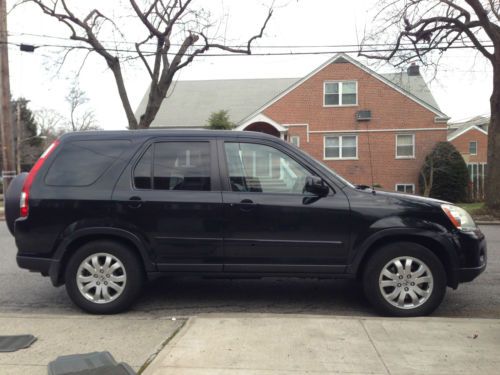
(29, 293)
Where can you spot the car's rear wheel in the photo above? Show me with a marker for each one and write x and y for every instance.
(104, 277)
(404, 279)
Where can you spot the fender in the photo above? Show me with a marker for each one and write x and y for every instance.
(445, 241)
(55, 267)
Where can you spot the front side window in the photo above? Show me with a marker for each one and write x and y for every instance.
(473, 148)
(405, 188)
(405, 146)
(174, 166)
(340, 93)
(341, 147)
(263, 169)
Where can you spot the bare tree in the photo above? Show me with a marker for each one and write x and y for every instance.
(80, 118)
(425, 29)
(48, 122)
(175, 32)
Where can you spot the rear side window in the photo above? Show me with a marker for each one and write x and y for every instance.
(81, 163)
(174, 166)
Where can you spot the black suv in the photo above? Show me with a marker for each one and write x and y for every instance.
(101, 212)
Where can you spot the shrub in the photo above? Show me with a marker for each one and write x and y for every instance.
(444, 174)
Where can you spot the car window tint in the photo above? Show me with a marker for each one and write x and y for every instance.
(181, 166)
(81, 163)
(263, 169)
(143, 170)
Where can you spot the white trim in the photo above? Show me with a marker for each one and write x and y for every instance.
(339, 94)
(413, 145)
(362, 67)
(261, 118)
(296, 137)
(465, 130)
(307, 129)
(404, 184)
(374, 130)
(340, 147)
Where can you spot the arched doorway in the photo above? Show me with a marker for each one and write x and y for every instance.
(263, 127)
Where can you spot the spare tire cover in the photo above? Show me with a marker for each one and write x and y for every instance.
(12, 199)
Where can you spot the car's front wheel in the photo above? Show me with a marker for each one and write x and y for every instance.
(104, 277)
(404, 279)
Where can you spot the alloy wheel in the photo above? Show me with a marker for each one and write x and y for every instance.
(406, 282)
(101, 278)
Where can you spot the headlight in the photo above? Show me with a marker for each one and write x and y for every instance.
(459, 217)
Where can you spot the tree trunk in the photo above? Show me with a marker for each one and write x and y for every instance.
(492, 183)
(114, 65)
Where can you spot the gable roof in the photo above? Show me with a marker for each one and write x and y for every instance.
(190, 103)
(458, 132)
(420, 93)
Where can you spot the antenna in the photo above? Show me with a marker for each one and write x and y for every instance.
(371, 162)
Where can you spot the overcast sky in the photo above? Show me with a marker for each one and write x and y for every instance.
(462, 86)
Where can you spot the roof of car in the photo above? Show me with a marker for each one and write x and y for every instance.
(144, 133)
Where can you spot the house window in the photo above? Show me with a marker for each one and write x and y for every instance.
(473, 148)
(405, 188)
(295, 139)
(341, 147)
(340, 93)
(405, 146)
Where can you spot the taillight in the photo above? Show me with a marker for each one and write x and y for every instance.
(25, 193)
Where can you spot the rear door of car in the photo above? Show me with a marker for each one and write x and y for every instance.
(170, 195)
(273, 225)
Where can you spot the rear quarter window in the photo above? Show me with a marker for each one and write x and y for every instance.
(82, 163)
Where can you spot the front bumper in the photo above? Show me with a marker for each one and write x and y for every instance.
(468, 274)
(474, 258)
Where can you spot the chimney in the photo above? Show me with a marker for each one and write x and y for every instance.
(413, 70)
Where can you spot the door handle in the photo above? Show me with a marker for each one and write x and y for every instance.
(135, 202)
(247, 205)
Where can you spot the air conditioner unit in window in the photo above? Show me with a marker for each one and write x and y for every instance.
(363, 115)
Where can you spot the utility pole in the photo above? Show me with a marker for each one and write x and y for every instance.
(8, 167)
(19, 134)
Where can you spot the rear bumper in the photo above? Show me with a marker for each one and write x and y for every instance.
(35, 264)
(46, 266)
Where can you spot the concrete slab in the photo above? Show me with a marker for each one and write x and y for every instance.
(258, 345)
(269, 345)
(437, 346)
(130, 340)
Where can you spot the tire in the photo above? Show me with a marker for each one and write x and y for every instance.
(397, 292)
(104, 288)
(12, 198)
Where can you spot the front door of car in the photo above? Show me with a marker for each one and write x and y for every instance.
(171, 196)
(271, 223)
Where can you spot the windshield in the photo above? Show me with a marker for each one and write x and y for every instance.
(325, 167)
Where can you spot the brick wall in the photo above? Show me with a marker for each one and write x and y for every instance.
(462, 145)
(390, 110)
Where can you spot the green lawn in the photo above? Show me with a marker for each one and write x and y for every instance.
(472, 207)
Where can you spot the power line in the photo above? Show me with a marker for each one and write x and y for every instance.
(233, 46)
(289, 53)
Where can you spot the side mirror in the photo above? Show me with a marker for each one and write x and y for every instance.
(316, 186)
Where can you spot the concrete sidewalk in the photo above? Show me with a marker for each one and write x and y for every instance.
(128, 338)
(284, 344)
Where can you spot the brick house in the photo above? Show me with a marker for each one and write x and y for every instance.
(344, 114)
(471, 140)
